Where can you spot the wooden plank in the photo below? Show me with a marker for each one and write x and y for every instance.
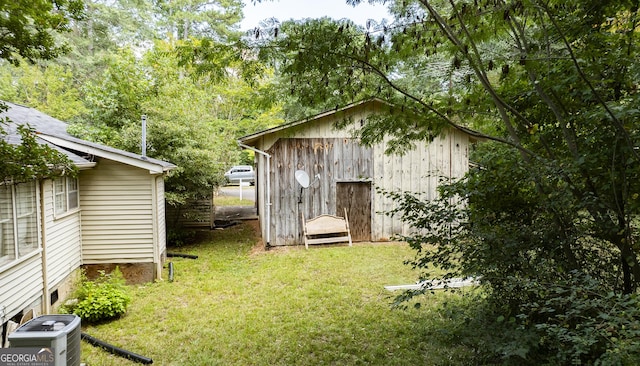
(436, 284)
(329, 199)
(331, 240)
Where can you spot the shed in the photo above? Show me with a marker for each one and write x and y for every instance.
(344, 174)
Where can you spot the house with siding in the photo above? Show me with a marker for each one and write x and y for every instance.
(344, 174)
(111, 214)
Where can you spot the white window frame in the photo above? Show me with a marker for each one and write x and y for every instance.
(66, 196)
(7, 220)
(18, 214)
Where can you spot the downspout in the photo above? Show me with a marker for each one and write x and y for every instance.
(46, 303)
(267, 219)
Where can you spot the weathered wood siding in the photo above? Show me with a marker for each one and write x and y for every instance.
(419, 170)
(193, 214)
(62, 240)
(21, 286)
(261, 196)
(333, 159)
(117, 214)
(355, 198)
(317, 147)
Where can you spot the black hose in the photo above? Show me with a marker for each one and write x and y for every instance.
(170, 271)
(115, 350)
(182, 255)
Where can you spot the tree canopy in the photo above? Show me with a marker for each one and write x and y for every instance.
(132, 58)
(29, 28)
(29, 31)
(548, 221)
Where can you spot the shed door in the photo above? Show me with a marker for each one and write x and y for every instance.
(356, 198)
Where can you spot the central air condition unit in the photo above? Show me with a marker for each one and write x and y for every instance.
(61, 333)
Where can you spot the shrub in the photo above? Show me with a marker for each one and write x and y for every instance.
(178, 237)
(571, 322)
(103, 299)
(584, 324)
(552, 290)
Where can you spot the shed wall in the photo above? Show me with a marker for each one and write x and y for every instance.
(317, 147)
(419, 170)
(326, 161)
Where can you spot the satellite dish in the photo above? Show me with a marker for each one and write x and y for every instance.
(303, 178)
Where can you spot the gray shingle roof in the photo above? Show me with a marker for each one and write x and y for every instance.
(54, 133)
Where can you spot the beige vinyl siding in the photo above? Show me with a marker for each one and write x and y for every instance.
(117, 214)
(62, 240)
(21, 286)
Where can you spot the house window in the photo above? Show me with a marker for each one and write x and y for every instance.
(7, 247)
(18, 221)
(65, 193)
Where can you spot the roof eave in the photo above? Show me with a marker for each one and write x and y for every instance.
(111, 155)
(252, 138)
(248, 139)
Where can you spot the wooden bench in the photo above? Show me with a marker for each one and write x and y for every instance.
(326, 229)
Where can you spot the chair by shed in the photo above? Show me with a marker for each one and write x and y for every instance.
(326, 229)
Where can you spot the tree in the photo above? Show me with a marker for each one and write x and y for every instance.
(184, 19)
(107, 27)
(550, 220)
(29, 160)
(29, 28)
(121, 65)
(193, 120)
(49, 89)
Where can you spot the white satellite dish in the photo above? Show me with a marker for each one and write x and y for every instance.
(303, 178)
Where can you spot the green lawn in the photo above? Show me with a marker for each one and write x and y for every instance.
(238, 305)
(221, 199)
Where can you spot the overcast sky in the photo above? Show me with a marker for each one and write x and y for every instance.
(299, 9)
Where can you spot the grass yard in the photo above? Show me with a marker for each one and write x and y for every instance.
(239, 305)
(222, 199)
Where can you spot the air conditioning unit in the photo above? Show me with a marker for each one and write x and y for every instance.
(60, 333)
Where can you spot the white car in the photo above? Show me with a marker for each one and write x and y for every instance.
(241, 172)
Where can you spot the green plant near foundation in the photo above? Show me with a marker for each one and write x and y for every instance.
(99, 300)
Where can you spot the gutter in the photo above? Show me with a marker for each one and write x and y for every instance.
(154, 166)
(267, 219)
